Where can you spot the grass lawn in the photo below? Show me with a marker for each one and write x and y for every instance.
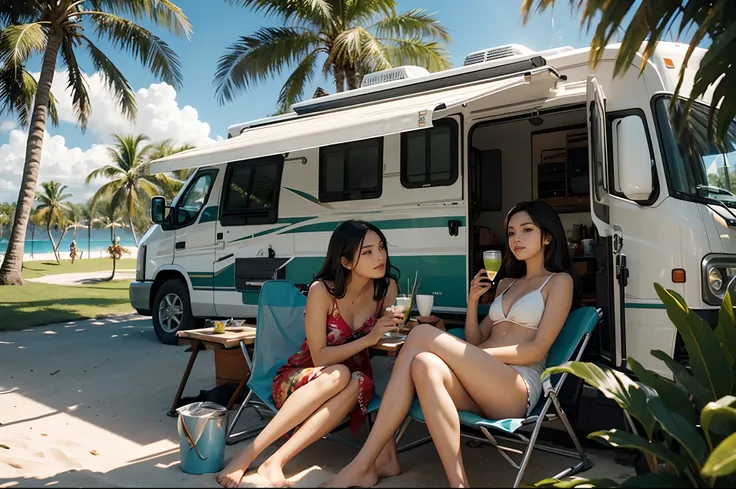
(36, 304)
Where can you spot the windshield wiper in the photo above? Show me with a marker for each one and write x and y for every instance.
(730, 222)
(715, 190)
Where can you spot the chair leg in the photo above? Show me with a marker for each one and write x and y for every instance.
(585, 462)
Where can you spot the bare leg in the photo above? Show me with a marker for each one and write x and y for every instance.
(387, 462)
(442, 396)
(299, 405)
(324, 420)
(504, 397)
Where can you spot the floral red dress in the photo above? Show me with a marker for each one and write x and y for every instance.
(299, 370)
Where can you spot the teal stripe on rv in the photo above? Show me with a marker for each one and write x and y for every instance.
(415, 223)
(640, 305)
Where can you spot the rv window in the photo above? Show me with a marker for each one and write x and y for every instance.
(193, 200)
(429, 157)
(351, 171)
(251, 192)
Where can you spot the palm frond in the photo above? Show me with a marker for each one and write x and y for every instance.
(19, 42)
(142, 44)
(17, 94)
(114, 79)
(429, 54)
(256, 58)
(414, 23)
(107, 171)
(76, 83)
(103, 194)
(363, 11)
(295, 85)
(163, 13)
(314, 12)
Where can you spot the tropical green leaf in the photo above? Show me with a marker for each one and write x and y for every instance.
(114, 79)
(722, 461)
(655, 480)
(413, 23)
(17, 94)
(164, 13)
(76, 83)
(293, 89)
(672, 396)
(142, 44)
(726, 329)
(707, 360)
(572, 483)
(624, 439)
(256, 58)
(681, 430)
(629, 395)
(719, 419)
(19, 42)
(701, 394)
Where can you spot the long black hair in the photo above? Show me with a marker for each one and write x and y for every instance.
(346, 242)
(556, 254)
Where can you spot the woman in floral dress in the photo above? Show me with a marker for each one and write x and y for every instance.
(330, 376)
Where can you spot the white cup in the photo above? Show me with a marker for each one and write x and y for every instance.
(424, 304)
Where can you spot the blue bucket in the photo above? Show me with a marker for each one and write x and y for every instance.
(202, 429)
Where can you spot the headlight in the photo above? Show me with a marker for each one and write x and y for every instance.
(719, 272)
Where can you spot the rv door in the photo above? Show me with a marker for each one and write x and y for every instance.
(613, 340)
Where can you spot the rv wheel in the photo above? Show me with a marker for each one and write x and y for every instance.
(172, 311)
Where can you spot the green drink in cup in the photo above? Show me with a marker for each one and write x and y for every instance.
(492, 262)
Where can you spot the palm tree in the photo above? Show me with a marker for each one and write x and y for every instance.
(651, 20)
(131, 184)
(167, 148)
(109, 217)
(61, 27)
(349, 37)
(52, 209)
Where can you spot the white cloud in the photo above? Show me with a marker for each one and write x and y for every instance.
(159, 117)
(6, 126)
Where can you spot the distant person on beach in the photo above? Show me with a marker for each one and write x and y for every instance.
(73, 250)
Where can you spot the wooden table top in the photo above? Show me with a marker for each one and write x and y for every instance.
(231, 338)
(392, 344)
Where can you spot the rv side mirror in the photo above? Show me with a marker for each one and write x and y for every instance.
(633, 159)
(158, 209)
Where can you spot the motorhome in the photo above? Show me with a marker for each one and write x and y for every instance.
(436, 160)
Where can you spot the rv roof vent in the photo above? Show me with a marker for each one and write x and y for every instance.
(393, 74)
(499, 52)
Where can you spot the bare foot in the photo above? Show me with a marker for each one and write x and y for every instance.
(273, 472)
(390, 467)
(353, 476)
(231, 475)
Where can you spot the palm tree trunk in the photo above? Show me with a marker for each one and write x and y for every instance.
(352, 78)
(339, 80)
(51, 238)
(11, 271)
(135, 238)
(113, 268)
(56, 246)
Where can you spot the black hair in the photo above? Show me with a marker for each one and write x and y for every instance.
(346, 242)
(556, 254)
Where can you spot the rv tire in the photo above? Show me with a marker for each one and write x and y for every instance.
(172, 311)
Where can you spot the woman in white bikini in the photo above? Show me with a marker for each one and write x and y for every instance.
(509, 347)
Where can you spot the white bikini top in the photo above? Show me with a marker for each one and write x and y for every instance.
(528, 316)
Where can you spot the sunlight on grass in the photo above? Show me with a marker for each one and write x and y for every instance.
(36, 304)
(35, 269)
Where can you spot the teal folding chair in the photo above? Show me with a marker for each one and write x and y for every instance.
(573, 338)
(279, 334)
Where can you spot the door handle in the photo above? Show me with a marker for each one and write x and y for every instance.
(219, 236)
(180, 245)
(453, 227)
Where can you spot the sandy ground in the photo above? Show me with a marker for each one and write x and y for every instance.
(84, 404)
(84, 278)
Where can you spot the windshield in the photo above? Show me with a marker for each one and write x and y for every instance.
(696, 165)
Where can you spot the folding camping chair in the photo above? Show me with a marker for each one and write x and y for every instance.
(279, 334)
(574, 337)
